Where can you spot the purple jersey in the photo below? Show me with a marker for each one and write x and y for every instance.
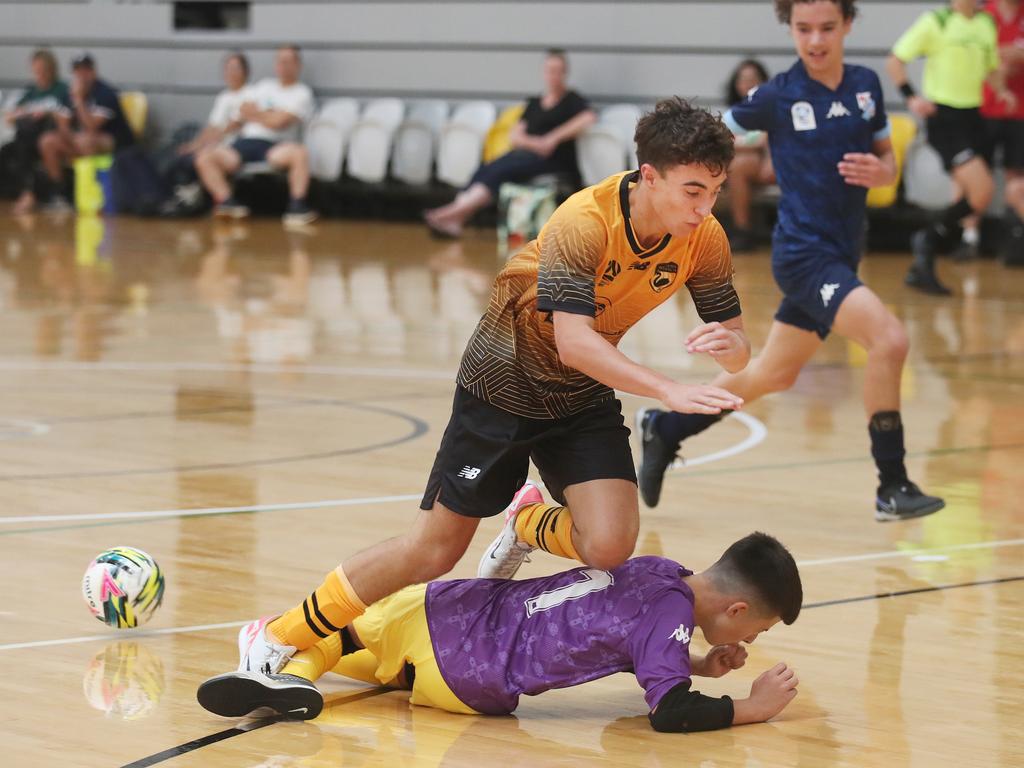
(496, 639)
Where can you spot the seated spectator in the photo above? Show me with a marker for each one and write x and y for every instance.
(271, 115)
(34, 115)
(220, 130)
(543, 143)
(96, 125)
(752, 166)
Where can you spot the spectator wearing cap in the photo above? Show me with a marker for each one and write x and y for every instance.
(96, 124)
(271, 120)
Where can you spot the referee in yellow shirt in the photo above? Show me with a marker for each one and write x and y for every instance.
(960, 46)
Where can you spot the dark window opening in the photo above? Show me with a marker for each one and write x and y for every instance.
(211, 16)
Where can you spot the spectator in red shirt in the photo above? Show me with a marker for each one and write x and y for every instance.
(1005, 125)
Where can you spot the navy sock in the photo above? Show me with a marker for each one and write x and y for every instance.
(674, 427)
(886, 430)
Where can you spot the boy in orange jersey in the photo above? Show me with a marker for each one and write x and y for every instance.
(537, 380)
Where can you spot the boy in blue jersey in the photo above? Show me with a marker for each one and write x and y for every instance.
(829, 140)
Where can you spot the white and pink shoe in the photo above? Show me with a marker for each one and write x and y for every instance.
(257, 653)
(507, 553)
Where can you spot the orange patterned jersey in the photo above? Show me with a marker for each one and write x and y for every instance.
(587, 261)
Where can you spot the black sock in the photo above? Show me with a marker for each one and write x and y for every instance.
(674, 427)
(886, 430)
(948, 227)
(348, 645)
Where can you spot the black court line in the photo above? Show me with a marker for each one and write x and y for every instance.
(213, 738)
(918, 591)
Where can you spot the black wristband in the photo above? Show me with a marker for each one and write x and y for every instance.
(907, 90)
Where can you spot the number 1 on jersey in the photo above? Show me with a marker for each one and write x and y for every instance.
(593, 581)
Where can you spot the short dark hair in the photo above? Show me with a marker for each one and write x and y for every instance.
(758, 565)
(784, 8)
(732, 95)
(678, 133)
(241, 58)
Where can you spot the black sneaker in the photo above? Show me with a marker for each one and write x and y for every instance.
(967, 251)
(236, 694)
(656, 456)
(1013, 246)
(922, 271)
(904, 501)
(299, 214)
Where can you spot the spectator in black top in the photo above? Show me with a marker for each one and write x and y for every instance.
(752, 166)
(34, 115)
(543, 142)
(96, 124)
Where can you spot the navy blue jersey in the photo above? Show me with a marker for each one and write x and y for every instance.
(104, 100)
(810, 127)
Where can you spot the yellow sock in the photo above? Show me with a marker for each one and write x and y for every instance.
(333, 605)
(547, 527)
(314, 661)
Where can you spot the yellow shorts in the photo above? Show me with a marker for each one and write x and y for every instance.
(394, 632)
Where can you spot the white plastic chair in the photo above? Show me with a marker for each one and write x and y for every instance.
(369, 146)
(622, 118)
(462, 142)
(416, 140)
(600, 152)
(327, 135)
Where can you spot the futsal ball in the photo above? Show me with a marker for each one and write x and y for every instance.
(123, 587)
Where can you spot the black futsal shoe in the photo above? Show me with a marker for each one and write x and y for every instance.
(904, 501)
(237, 694)
(921, 275)
(656, 456)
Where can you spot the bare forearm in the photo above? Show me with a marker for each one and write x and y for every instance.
(276, 120)
(889, 162)
(570, 129)
(896, 70)
(603, 362)
(744, 711)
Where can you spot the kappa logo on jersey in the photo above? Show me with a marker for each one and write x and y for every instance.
(828, 290)
(664, 275)
(803, 116)
(866, 105)
(838, 109)
(469, 473)
(601, 304)
(682, 634)
(610, 272)
(640, 266)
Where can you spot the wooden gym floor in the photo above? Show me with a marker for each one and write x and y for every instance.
(250, 406)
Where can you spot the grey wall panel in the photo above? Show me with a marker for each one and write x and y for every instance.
(634, 51)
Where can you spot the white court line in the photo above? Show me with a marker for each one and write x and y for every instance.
(209, 510)
(758, 432)
(131, 634)
(326, 370)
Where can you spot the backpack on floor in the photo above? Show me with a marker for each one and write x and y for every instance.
(137, 185)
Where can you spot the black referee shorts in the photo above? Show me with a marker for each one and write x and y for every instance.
(486, 452)
(958, 135)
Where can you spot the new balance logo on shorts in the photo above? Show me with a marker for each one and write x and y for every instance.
(469, 473)
(828, 290)
(838, 109)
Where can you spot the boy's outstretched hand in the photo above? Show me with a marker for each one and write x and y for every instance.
(769, 695)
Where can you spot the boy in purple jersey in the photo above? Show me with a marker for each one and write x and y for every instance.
(475, 646)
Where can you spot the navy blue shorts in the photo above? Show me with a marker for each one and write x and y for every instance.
(813, 288)
(252, 150)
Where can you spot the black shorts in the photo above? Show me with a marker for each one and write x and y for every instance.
(486, 451)
(252, 150)
(1008, 135)
(958, 135)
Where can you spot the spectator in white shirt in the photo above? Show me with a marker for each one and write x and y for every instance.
(271, 115)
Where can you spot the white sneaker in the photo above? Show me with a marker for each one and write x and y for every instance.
(256, 653)
(507, 553)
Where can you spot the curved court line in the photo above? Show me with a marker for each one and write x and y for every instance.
(758, 432)
(324, 370)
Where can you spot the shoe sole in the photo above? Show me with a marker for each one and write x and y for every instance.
(237, 694)
(299, 221)
(231, 214)
(515, 504)
(641, 414)
(890, 517)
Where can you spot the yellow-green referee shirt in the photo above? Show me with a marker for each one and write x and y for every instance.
(960, 53)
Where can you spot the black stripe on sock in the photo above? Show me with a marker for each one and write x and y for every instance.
(542, 534)
(309, 620)
(323, 619)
